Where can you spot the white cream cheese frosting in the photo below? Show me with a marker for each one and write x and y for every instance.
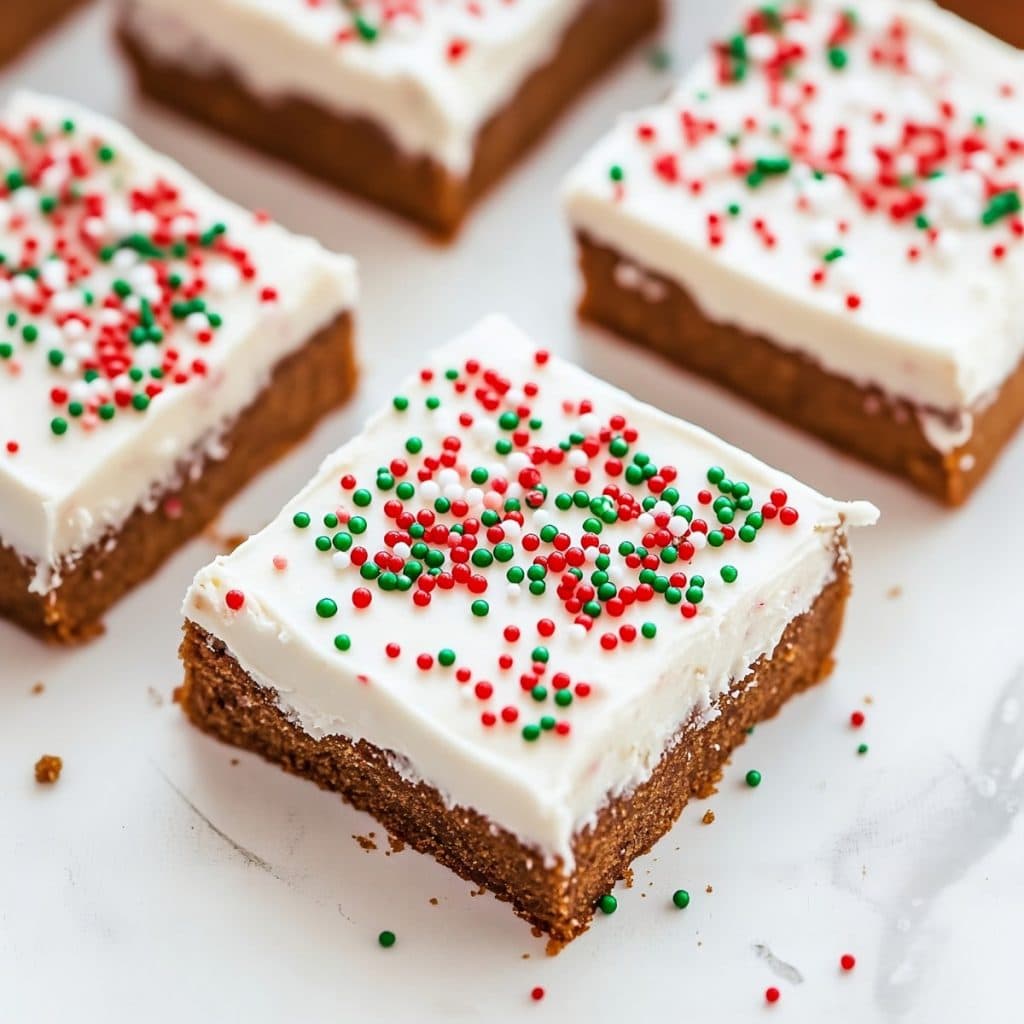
(463, 584)
(140, 313)
(429, 72)
(843, 178)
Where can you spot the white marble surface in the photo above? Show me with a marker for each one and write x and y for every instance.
(158, 881)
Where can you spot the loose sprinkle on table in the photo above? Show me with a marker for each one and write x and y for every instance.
(681, 898)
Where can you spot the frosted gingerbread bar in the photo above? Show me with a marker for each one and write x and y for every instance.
(158, 347)
(825, 217)
(419, 106)
(22, 23)
(521, 619)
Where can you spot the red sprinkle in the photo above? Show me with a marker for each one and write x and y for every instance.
(234, 599)
(772, 994)
(847, 962)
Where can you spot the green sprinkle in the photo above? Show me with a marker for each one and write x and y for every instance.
(838, 58)
(563, 698)
(531, 732)
(608, 904)
(862, 749)
(59, 425)
(326, 608)
(357, 524)
(753, 778)
(400, 402)
(301, 520)
(480, 608)
(681, 898)
(446, 657)
(729, 573)
(343, 641)
(387, 939)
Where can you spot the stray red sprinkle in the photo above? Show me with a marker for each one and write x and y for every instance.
(771, 995)
(857, 719)
(234, 599)
(537, 994)
(847, 962)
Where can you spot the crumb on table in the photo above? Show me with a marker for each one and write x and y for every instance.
(48, 769)
(709, 817)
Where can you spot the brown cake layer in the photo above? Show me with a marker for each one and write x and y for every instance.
(304, 386)
(1003, 18)
(360, 156)
(221, 698)
(22, 20)
(861, 421)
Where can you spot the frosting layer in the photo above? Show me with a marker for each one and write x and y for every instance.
(523, 582)
(843, 178)
(139, 314)
(430, 72)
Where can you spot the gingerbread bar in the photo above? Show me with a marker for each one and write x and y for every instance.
(22, 23)
(1003, 18)
(419, 106)
(825, 217)
(521, 619)
(158, 347)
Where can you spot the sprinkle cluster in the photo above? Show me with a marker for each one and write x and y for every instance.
(840, 117)
(109, 280)
(365, 22)
(525, 519)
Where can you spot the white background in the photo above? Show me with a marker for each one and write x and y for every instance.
(159, 882)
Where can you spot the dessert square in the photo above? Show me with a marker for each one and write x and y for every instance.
(158, 347)
(417, 105)
(521, 619)
(1003, 18)
(22, 23)
(825, 218)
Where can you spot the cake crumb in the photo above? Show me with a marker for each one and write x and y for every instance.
(48, 769)
(627, 878)
(178, 695)
(235, 762)
(709, 817)
(37, 689)
(526, 956)
(536, 932)
(434, 901)
(154, 696)
(224, 542)
(894, 592)
(366, 842)
(554, 947)
(396, 844)
(869, 699)
(709, 889)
